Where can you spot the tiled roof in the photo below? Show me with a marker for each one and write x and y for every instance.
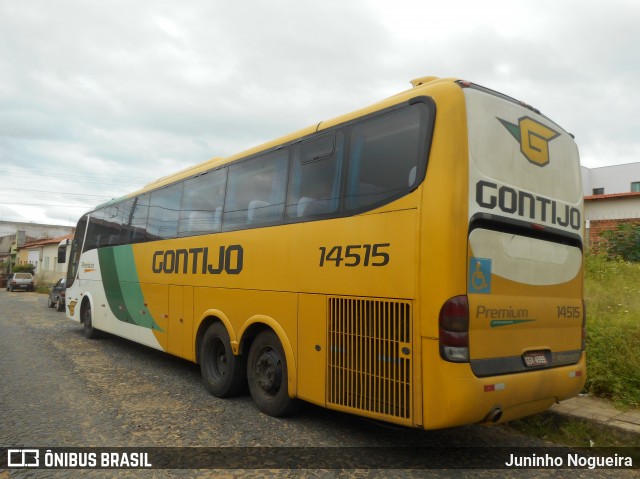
(612, 195)
(46, 241)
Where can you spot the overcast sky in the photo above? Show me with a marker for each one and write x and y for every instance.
(97, 98)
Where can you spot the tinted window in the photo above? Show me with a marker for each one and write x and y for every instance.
(76, 248)
(314, 182)
(164, 211)
(104, 228)
(202, 203)
(256, 191)
(384, 157)
(62, 253)
(133, 213)
(137, 224)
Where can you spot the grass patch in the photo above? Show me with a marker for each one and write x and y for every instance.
(573, 432)
(612, 293)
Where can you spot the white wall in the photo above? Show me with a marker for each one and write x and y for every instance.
(612, 208)
(35, 230)
(614, 179)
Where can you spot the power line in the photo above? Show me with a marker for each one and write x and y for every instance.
(45, 204)
(32, 172)
(52, 170)
(56, 193)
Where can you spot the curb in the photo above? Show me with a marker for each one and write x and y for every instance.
(600, 414)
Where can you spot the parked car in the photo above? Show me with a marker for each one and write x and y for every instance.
(56, 295)
(20, 281)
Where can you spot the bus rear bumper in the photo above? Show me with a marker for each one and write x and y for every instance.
(454, 396)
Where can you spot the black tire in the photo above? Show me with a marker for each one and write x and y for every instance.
(224, 374)
(87, 320)
(267, 375)
(60, 305)
(50, 303)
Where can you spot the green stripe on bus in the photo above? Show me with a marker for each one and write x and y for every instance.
(122, 287)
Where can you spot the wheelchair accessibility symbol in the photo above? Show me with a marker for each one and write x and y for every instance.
(479, 275)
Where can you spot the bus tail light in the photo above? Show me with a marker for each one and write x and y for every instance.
(454, 330)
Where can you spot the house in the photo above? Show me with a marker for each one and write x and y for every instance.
(49, 257)
(611, 197)
(14, 235)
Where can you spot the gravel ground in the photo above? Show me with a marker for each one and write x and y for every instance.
(60, 389)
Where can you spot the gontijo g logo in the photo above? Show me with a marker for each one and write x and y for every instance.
(534, 138)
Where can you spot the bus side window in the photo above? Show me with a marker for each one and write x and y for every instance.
(383, 154)
(314, 181)
(125, 208)
(202, 202)
(104, 228)
(136, 229)
(164, 212)
(113, 225)
(256, 191)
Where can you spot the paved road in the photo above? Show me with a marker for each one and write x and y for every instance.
(60, 389)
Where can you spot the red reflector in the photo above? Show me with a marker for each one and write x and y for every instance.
(578, 373)
(490, 387)
(537, 226)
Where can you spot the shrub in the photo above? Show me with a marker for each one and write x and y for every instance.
(24, 268)
(612, 293)
(623, 242)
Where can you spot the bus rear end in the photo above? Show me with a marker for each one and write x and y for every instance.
(520, 326)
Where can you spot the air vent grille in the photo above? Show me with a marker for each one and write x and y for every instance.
(370, 351)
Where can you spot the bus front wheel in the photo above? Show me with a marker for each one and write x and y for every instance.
(223, 373)
(87, 321)
(268, 376)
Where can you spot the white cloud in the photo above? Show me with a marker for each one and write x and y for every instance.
(125, 92)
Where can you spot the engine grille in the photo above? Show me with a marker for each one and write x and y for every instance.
(370, 357)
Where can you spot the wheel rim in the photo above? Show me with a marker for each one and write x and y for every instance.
(269, 372)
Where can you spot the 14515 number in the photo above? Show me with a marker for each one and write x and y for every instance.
(355, 255)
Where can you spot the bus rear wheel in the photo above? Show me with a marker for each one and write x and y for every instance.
(267, 375)
(223, 373)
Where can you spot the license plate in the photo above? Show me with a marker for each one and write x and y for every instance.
(535, 359)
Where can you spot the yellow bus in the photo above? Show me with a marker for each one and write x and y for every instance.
(418, 261)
